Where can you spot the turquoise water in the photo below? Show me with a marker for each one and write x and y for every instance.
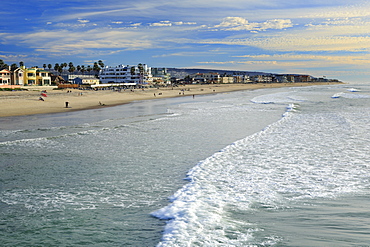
(273, 167)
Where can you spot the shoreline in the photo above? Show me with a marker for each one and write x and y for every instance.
(19, 103)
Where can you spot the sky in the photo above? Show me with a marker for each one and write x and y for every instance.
(328, 38)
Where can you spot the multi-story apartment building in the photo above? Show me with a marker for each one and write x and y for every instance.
(160, 75)
(262, 78)
(5, 77)
(43, 77)
(18, 76)
(211, 77)
(35, 76)
(134, 75)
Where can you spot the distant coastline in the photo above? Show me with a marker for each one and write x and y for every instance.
(17, 103)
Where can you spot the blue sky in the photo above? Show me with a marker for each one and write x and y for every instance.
(321, 38)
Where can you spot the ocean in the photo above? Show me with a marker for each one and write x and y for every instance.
(268, 167)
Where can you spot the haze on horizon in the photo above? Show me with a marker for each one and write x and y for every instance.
(320, 38)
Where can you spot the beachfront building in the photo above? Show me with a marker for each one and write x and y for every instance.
(303, 78)
(18, 76)
(43, 77)
(126, 75)
(81, 79)
(30, 76)
(5, 77)
(227, 79)
(211, 77)
(33, 77)
(242, 79)
(262, 79)
(161, 76)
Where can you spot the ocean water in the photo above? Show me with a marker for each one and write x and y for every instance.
(270, 167)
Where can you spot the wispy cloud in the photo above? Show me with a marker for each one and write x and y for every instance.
(245, 34)
(242, 24)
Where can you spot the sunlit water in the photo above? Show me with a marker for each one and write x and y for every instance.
(272, 167)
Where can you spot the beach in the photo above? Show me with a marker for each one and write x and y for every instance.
(18, 103)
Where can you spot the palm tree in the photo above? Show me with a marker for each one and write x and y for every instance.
(21, 64)
(101, 64)
(44, 65)
(71, 69)
(96, 68)
(141, 72)
(83, 69)
(63, 65)
(57, 67)
(49, 66)
(60, 70)
(78, 68)
(89, 69)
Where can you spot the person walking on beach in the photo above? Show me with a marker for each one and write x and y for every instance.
(67, 104)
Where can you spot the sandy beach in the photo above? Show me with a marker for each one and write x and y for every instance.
(16, 103)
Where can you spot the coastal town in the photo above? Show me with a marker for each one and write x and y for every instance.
(101, 76)
(64, 87)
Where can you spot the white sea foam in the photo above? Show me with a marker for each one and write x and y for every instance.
(283, 97)
(350, 96)
(300, 157)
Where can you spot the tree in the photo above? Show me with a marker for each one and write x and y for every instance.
(71, 69)
(49, 66)
(83, 69)
(21, 64)
(141, 71)
(3, 65)
(89, 68)
(101, 64)
(44, 65)
(60, 70)
(78, 68)
(56, 67)
(63, 65)
(13, 67)
(96, 68)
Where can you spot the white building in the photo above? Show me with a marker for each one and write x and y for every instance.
(82, 79)
(5, 77)
(211, 77)
(137, 75)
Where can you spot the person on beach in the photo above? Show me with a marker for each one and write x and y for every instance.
(41, 99)
(67, 104)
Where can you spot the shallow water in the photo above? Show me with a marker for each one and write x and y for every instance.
(274, 167)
